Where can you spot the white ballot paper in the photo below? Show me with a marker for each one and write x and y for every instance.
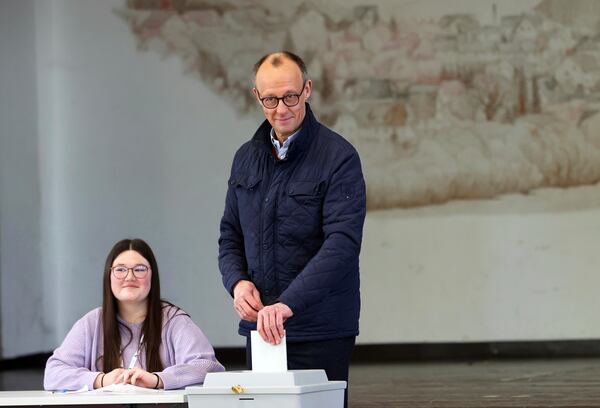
(125, 389)
(267, 357)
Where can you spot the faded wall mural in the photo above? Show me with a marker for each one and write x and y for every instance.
(457, 105)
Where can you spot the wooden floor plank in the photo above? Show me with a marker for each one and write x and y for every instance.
(496, 384)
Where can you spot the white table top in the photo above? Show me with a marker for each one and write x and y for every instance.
(24, 398)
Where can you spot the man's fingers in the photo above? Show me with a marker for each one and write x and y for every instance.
(275, 318)
(250, 301)
(253, 300)
(239, 310)
(279, 323)
(247, 301)
(260, 328)
(251, 317)
(266, 332)
(246, 312)
(263, 327)
(268, 323)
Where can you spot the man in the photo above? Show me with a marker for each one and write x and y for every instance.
(292, 227)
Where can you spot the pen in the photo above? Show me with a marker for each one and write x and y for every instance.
(132, 362)
(137, 353)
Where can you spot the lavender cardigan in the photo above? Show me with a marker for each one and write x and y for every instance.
(185, 352)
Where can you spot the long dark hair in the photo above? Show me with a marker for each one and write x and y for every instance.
(151, 329)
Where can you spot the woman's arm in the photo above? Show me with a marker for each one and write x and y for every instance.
(190, 354)
(66, 369)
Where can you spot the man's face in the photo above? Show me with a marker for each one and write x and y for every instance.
(277, 82)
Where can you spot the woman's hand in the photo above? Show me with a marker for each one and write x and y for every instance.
(141, 378)
(102, 380)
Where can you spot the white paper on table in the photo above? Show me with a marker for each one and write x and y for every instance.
(125, 389)
(268, 357)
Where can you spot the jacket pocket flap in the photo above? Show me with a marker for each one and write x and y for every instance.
(245, 181)
(299, 188)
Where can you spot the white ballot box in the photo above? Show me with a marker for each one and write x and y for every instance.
(269, 385)
(290, 389)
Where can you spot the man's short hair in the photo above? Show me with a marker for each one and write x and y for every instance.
(277, 60)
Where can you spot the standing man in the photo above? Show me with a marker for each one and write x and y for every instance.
(292, 227)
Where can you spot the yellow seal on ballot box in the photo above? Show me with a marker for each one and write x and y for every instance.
(237, 389)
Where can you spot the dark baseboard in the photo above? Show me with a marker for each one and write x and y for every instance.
(231, 357)
(399, 352)
(30, 361)
(382, 353)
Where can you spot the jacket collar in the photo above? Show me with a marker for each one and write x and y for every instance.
(262, 137)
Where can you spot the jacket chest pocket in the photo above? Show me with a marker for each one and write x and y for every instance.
(305, 194)
(247, 193)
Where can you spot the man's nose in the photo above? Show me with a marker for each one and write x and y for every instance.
(281, 108)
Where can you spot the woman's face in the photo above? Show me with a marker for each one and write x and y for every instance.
(128, 282)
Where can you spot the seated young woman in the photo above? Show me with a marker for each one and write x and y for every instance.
(135, 337)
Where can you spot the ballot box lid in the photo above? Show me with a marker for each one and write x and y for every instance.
(291, 381)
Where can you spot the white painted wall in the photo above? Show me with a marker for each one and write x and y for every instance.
(135, 149)
(23, 327)
(101, 141)
(128, 146)
(458, 273)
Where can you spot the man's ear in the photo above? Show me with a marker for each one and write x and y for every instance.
(308, 88)
(255, 92)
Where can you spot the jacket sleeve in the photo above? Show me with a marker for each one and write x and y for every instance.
(66, 368)
(344, 209)
(232, 256)
(191, 352)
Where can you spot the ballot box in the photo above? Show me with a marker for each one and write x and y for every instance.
(290, 389)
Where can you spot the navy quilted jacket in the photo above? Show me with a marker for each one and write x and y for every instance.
(294, 228)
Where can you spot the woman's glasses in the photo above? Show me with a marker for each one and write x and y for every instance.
(121, 271)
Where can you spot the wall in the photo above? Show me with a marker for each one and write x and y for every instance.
(135, 149)
(101, 141)
(461, 274)
(23, 327)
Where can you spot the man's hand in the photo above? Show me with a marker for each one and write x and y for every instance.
(270, 322)
(246, 300)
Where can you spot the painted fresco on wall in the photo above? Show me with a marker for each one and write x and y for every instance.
(471, 101)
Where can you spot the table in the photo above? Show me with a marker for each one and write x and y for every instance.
(31, 398)
(292, 388)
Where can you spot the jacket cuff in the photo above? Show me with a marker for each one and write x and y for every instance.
(290, 302)
(233, 279)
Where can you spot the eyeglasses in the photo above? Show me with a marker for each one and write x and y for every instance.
(121, 271)
(289, 100)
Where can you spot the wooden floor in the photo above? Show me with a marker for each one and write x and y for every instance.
(523, 383)
(566, 383)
